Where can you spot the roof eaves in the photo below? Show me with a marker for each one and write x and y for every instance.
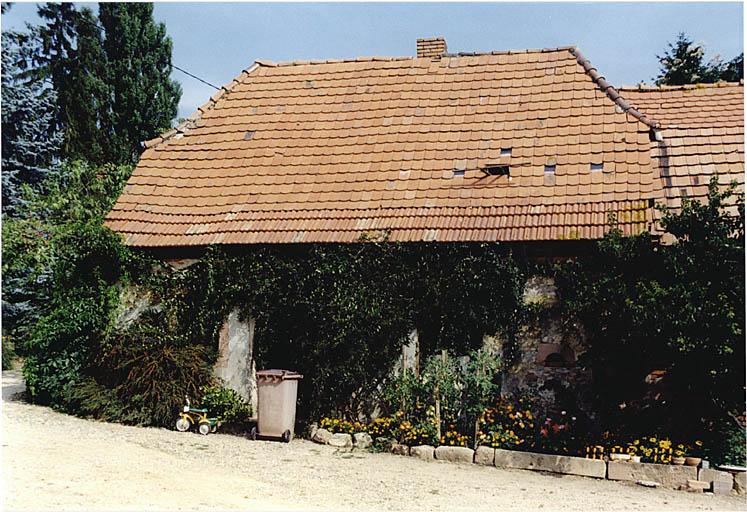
(191, 121)
(610, 91)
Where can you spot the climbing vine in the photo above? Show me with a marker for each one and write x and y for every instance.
(339, 314)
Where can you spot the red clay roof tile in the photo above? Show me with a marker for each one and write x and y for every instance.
(341, 149)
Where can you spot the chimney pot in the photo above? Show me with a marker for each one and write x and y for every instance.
(433, 47)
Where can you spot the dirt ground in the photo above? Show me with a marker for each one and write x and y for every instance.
(52, 461)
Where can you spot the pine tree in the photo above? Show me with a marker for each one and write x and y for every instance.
(144, 99)
(734, 70)
(71, 58)
(30, 142)
(86, 98)
(683, 64)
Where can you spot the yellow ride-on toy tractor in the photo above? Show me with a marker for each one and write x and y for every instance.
(189, 417)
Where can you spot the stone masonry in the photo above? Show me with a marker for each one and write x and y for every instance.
(235, 364)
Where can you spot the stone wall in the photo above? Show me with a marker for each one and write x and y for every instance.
(235, 364)
(546, 356)
(545, 364)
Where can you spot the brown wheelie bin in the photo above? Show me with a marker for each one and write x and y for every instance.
(276, 403)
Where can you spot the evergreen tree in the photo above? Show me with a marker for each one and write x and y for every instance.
(734, 70)
(30, 143)
(86, 135)
(144, 99)
(683, 64)
(71, 57)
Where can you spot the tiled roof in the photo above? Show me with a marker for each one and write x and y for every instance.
(702, 131)
(330, 151)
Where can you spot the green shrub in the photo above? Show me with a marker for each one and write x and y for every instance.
(88, 264)
(151, 373)
(9, 353)
(463, 389)
(676, 310)
(226, 404)
(726, 443)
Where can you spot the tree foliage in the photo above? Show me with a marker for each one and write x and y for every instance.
(138, 56)
(111, 78)
(30, 143)
(683, 63)
(77, 196)
(666, 323)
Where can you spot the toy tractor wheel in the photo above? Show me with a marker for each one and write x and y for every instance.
(253, 434)
(182, 425)
(286, 437)
(204, 428)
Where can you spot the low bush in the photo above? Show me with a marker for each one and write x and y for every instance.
(9, 353)
(226, 405)
(508, 424)
(460, 387)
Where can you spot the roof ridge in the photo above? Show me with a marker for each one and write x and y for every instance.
(316, 62)
(192, 119)
(510, 52)
(715, 85)
(610, 91)
(269, 63)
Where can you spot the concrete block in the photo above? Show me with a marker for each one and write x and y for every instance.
(552, 463)
(667, 475)
(458, 454)
(721, 487)
(713, 475)
(423, 452)
(485, 456)
(400, 449)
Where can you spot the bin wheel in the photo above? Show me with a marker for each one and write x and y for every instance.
(182, 425)
(253, 434)
(286, 437)
(204, 428)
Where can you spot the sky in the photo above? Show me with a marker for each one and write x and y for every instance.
(216, 41)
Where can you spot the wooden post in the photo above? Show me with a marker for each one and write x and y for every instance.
(417, 353)
(438, 402)
(480, 372)
(404, 371)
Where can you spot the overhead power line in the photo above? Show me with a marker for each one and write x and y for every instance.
(193, 76)
(103, 32)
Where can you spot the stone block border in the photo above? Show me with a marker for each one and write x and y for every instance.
(664, 475)
(550, 463)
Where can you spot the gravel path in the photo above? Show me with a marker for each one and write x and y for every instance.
(52, 461)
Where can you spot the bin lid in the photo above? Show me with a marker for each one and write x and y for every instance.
(279, 375)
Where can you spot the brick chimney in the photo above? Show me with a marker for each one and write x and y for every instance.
(431, 47)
